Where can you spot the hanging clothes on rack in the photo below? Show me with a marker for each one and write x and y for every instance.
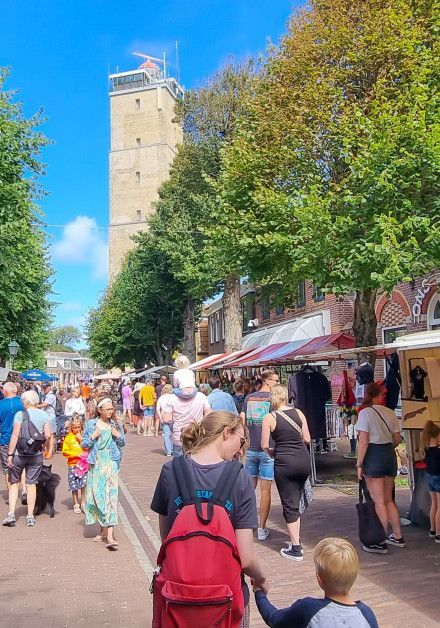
(310, 390)
(392, 381)
(417, 376)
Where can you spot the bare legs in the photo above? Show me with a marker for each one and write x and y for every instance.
(293, 529)
(381, 491)
(31, 497)
(265, 500)
(434, 513)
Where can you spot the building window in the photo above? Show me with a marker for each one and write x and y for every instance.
(217, 326)
(211, 330)
(301, 298)
(279, 309)
(390, 334)
(138, 141)
(248, 310)
(138, 176)
(223, 324)
(434, 313)
(138, 103)
(139, 215)
(318, 294)
(265, 302)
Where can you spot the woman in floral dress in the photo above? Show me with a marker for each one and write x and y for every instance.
(104, 437)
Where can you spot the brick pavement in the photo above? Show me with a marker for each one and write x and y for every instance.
(402, 587)
(53, 575)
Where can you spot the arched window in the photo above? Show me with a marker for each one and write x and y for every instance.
(434, 313)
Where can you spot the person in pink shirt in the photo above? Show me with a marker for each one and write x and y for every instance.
(127, 401)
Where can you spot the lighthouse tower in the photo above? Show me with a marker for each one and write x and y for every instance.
(144, 137)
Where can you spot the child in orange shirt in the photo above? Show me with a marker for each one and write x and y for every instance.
(74, 453)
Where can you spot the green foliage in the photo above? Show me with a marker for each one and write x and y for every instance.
(139, 318)
(63, 338)
(334, 172)
(24, 266)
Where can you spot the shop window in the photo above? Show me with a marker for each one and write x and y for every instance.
(434, 313)
(265, 302)
(318, 294)
(217, 326)
(301, 298)
(211, 330)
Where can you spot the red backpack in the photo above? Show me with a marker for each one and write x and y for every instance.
(198, 578)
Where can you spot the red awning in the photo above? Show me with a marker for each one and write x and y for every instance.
(254, 355)
(316, 345)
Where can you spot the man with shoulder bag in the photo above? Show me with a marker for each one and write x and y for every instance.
(30, 434)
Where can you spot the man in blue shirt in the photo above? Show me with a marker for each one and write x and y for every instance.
(218, 399)
(9, 406)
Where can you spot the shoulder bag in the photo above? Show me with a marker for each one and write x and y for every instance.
(371, 531)
(306, 494)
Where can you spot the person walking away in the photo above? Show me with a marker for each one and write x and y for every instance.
(147, 399)
(9, 406)
(258, 463)
(164, 405)
(218, 399)
(431, 443)
(25, 456)
(379, 435)
(288, 428)
(75, 404)
(104, 438)
(126, 394)
(76, 459)
(137, 414)
(208, 445)
(238, 387)
(49, 404)
(337, 567)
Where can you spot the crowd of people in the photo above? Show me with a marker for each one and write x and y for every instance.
(206, 429)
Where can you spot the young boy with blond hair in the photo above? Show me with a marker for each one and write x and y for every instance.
(337, 565)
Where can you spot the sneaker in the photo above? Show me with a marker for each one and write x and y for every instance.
(10, 520)
(379, 548)
(262, 534)
(432, 534)
(77, 509)
(24, 499)
(30, 522)
(395, 541)
(437, 538)
(293, 552)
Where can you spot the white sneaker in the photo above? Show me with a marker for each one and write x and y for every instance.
(262, 534)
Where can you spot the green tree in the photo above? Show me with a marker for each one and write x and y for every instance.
(64, 337)
(24, 266)
(139, 318)
(333, 175)
(183, 213)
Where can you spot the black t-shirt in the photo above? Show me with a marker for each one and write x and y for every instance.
(256, 406)
(243, 508)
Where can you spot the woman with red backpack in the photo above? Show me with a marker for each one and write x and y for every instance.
(207, 514)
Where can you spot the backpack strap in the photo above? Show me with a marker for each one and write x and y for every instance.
(184, 480)
(226, 482)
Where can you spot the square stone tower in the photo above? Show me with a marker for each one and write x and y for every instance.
(144, 137)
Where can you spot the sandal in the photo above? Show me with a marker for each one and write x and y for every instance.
(113, 546)
(98, 538)
(77, 509)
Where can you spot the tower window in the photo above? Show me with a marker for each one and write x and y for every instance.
(139, 215)
(138, 103)
(138, 176)
(138, 141)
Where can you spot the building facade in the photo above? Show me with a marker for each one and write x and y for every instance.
(70, 367)
(143, 140)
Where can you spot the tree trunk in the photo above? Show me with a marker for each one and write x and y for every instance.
(232, 314)
(364, 321)
(189, 330)
(158, 350)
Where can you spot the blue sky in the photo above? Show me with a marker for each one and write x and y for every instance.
(60, 54)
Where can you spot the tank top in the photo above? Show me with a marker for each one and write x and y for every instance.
(287, 438)
(432, 460)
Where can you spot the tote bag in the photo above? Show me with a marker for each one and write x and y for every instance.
(371, 530)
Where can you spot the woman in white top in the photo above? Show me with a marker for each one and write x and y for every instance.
(75, 404)
(164, 405)
(379, 434)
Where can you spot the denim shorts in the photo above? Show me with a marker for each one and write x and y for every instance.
(149, 411)
(433, 483)
(259, 464)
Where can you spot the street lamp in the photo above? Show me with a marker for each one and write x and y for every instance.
(13, 348)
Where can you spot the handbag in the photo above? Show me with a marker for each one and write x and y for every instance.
(371, 531)
(306, 494)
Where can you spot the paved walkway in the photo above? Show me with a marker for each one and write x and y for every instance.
(54, 575)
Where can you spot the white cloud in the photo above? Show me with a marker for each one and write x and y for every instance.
(82, 243)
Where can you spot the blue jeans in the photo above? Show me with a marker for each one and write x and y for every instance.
(259, 465)
(166, 434)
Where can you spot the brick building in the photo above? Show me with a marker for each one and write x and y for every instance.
(411, 307)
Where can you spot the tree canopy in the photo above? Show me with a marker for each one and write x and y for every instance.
(64, 337)
(24, 266)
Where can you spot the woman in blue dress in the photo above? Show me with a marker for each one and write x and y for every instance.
(104, 437)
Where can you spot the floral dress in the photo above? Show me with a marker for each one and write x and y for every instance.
(102, 485)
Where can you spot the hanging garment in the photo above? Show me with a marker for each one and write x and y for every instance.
(309, 391)
(417, 376)
(393, 382)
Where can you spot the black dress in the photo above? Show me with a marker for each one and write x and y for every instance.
(292, 463)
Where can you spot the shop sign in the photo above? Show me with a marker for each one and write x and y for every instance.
(427, 283)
